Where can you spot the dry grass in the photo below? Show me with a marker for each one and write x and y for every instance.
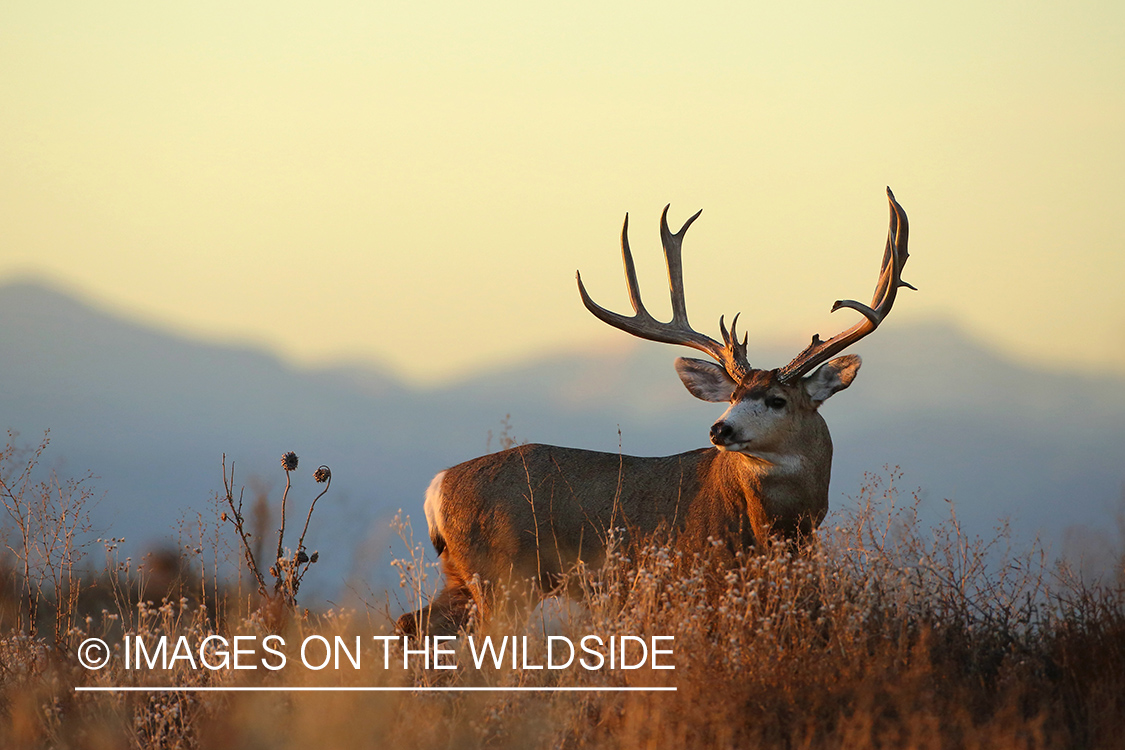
(882, 633)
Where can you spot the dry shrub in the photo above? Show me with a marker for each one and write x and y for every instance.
(44, 520)
(882, 632)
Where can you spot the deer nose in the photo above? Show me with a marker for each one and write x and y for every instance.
(721, 433)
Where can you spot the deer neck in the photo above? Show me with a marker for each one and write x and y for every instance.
(788, 485)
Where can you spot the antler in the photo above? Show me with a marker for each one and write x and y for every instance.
(730, 354)
(890, 279)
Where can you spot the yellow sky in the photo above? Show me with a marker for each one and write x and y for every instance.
(416, 184)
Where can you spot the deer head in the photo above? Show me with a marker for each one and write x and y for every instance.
(766, 406)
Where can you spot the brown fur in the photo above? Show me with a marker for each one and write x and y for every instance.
(534, 511)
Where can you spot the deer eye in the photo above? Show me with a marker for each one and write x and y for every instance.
(774, 402)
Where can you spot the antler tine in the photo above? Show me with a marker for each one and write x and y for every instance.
(673, 244)
(890, 279)
(642, 318)
(630, 273)
(677, 331)
(730, 340)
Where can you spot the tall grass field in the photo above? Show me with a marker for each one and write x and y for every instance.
(881, 632)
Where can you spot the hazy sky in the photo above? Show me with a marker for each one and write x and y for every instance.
(416, 183)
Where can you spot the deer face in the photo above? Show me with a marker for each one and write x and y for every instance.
(764, 411)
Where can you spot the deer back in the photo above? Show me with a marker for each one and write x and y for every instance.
(537, 510)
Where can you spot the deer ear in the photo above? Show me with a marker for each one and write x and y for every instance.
(834, 375)
(705, 380)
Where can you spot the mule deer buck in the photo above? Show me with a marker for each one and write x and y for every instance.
(532, 512)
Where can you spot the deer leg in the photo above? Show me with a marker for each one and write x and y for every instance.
(505, 604)
(507, 608)
(447, 614)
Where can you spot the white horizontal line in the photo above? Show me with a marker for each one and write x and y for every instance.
(382, 689)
